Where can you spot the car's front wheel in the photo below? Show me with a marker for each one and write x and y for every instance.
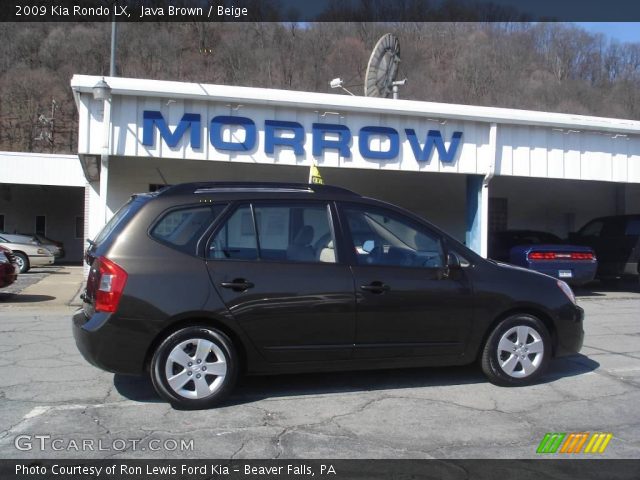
(517, 351)
(23, 262)
(194, 367)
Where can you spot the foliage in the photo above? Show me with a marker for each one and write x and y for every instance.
(550, 67)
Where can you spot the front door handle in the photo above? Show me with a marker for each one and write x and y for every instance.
(376, 287)
(238, 285)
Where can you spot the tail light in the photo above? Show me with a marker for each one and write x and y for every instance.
(560, 256)
(105, 284)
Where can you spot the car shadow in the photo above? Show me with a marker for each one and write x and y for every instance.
(600, 289)
(20, 298)
(254, 388)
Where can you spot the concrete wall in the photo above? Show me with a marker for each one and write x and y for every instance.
(21, 203)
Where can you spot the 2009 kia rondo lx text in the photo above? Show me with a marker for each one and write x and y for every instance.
(201, 282)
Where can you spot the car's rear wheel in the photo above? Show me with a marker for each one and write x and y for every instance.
(517, 351)
(23, 262)
(195, 367)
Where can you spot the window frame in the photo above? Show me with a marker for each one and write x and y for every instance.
(413, 222)
(332, 216)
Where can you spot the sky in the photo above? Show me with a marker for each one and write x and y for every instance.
(621, 31)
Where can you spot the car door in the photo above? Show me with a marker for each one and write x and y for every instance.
(409, 303)
(276, 269)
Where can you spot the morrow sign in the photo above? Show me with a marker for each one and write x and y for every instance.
(340, 137)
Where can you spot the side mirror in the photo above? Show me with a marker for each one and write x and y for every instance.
(453, 261)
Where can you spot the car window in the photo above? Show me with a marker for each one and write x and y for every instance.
(236, 239)
(182, 228)
(381, 237)
(113, 222)
(285, 232)
(592, 229)
(633, 227)
(295, 232)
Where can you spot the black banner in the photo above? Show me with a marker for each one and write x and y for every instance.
(569, 469)
(318, 10)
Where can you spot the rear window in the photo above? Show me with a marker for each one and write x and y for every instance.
(182, 228)
(114, 222)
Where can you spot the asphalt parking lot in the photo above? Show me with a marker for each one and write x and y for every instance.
(54, 405)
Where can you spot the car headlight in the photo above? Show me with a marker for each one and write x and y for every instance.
(3, 258)
(566, 289)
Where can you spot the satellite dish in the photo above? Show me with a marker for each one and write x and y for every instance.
(382, 67)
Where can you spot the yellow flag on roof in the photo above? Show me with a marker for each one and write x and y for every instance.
(314, 174)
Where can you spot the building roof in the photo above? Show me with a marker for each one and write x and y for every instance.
(333, 102)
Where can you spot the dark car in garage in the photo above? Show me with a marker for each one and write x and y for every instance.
(546, 253)
(200, 282)
(616, 242)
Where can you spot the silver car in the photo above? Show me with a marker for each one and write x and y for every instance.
(28, 254)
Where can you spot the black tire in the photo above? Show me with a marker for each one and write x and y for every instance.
(494, 356)
(186, 340)
(23, 262)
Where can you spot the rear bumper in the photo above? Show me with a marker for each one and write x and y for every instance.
(580, 273)
(104, 343)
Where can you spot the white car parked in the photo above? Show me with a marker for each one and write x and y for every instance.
(28, 255)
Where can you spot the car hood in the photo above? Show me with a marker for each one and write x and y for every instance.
(526, 271)
(27, 248)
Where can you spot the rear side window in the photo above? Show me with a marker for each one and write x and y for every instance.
(278, 232)
(183, 227)
(236, 239)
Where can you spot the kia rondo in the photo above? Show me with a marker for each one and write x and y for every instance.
(199, 283)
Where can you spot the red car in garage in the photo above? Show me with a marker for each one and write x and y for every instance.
(8, 267)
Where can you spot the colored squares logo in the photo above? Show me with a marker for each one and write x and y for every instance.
(575, 442)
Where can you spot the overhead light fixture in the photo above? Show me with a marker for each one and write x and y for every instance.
(339, 83)
(101, 90)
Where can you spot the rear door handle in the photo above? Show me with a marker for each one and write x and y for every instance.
(238, 285)
(376, 287)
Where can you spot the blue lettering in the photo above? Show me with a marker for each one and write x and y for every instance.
(271, 140)
(273, 137)
(363, 143)
(189, 121)
(434, 137)
(320, 143)
(215, 133)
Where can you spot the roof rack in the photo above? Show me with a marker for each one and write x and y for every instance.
(218, 187)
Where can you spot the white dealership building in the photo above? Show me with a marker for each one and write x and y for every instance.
(471, 170)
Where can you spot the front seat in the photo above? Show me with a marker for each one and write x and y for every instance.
(301, 250)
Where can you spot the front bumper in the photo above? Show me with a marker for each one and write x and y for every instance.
(41, 260)
(570, 331)
(8, 274)
(118, 346)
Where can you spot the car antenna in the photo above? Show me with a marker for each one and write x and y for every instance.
(164, 180)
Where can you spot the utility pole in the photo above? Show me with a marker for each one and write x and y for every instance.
(114, 33)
